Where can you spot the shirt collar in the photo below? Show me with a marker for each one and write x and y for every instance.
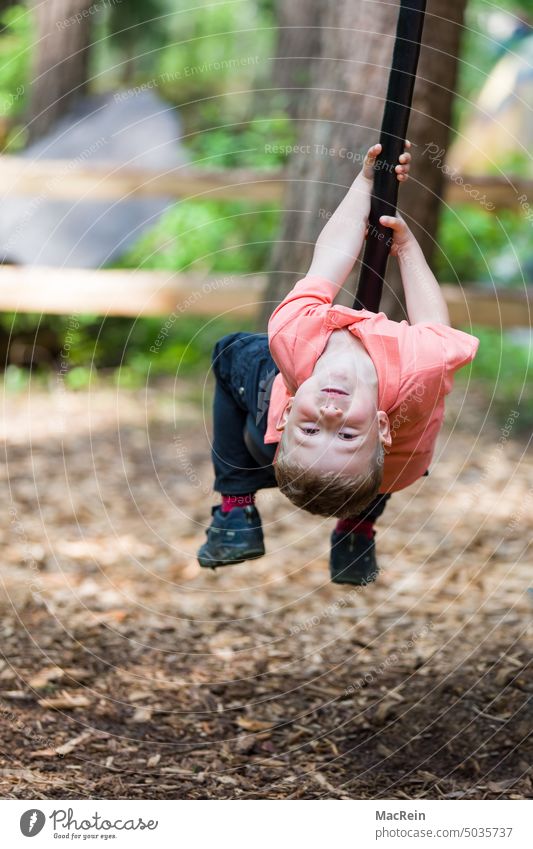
(383, 349)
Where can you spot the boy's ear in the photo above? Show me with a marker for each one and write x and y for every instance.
(385, 436)
(282, 421)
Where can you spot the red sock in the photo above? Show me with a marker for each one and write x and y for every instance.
(231, 501)
(353, 524)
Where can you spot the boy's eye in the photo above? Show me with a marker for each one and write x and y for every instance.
(309, 430)
(347, 436)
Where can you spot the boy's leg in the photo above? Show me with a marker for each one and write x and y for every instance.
(235, 533)
(353, 550)
(236, 470)
(364, 522)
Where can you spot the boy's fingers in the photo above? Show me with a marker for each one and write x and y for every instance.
(373, 151)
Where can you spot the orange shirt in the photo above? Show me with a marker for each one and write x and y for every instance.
(415, 364)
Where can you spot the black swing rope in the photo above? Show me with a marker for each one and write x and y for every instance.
(393, 134)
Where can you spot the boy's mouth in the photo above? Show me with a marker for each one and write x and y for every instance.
(333, 390)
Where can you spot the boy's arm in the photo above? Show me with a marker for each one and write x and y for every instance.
(423, 296)
(340, 242)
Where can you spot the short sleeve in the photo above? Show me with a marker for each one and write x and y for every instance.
(437, 345)
(296, 326)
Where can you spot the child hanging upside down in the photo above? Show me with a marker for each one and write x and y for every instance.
(338, 407)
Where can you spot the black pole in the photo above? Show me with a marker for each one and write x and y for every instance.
(393, 133)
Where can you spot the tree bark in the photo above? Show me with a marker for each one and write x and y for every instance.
(60, 68)
(344, 108)
(298, 44)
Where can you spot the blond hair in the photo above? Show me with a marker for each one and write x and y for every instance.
(328, 493)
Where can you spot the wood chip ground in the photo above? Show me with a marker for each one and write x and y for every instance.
(128, 672)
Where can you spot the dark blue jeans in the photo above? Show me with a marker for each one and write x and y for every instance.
(244, 372)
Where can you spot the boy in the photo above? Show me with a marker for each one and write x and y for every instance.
(338, 407)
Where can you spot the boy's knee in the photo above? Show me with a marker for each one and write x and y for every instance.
(220, 351)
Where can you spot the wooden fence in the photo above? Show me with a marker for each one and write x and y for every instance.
(70, 179)
(136, 293)
(144, 293)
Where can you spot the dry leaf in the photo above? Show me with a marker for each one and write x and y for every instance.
(65, 748)
(384, 710)
(24, 774)
(108, 617)
(45, 676)
(77, 673)
(16, 695)
(500, 786)
(254, 724)
(142, 714)
(244, 744)
(65, 701)
(137, 695)
(73, 744)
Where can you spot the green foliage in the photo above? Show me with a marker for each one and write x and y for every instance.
(242, 145)
(212, 56)
(213, 48)
(503, 368)
(207, 237)
(474, 245)
(15, 41)
(479, 52)
(136, 23)
(218, 236)
(89, 348)
(129, 34)
(16, 379)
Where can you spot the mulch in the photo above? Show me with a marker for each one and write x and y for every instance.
(128, 672)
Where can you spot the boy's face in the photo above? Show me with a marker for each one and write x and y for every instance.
(333, 428)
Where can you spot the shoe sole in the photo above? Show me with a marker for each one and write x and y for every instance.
(344, 577)
(214, 564)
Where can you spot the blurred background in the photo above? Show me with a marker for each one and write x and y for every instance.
(165, 168)
(107, 109)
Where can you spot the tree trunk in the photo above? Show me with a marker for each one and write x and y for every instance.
(349, 79)
(60, 68)
(298, 44)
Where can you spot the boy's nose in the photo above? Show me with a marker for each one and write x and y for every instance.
(330, 411)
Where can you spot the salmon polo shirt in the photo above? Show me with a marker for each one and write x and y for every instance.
(415, 364)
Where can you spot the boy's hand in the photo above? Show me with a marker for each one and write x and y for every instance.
(402, 169)
(402, 234)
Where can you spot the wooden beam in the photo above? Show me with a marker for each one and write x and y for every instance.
(472, 304)
(163, 293)
(56, 179)
(488, 192)
(129, 293)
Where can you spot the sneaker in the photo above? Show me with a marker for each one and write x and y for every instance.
(352, 559)
(232, 538)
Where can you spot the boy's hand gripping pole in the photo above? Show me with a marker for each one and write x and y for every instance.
(393, 134)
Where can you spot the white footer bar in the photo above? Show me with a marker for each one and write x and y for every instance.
(321, 824)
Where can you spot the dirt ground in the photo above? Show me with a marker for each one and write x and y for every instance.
(128, 672)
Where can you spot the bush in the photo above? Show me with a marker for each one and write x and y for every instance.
(503, 369)
(475, 245)
(16, 38)
(213, 48)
